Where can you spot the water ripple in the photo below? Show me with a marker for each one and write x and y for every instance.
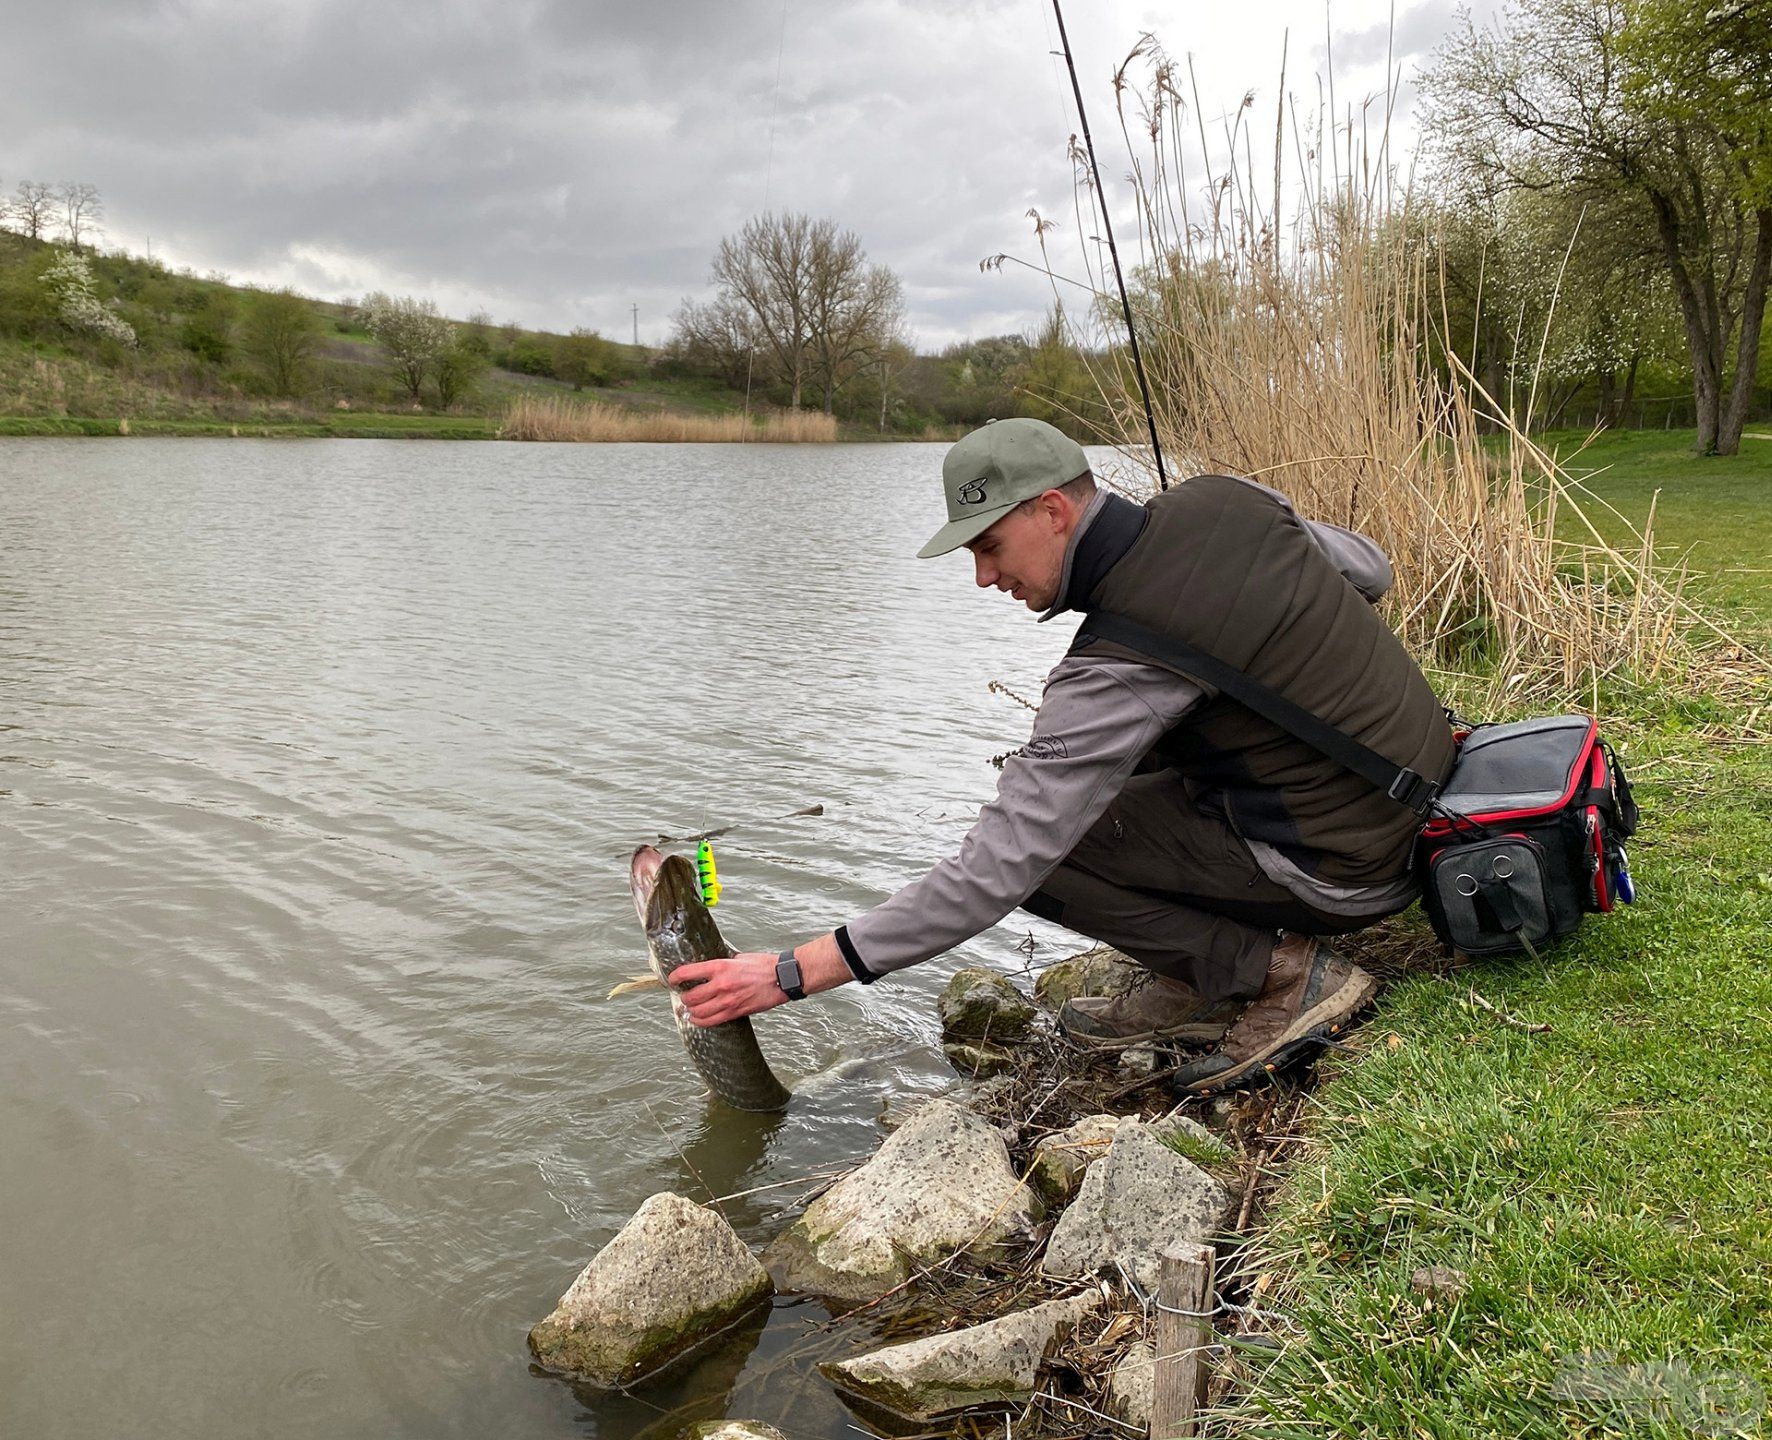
(321, 766)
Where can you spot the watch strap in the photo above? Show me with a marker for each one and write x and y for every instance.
(787, 975)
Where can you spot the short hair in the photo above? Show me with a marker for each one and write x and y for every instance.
(1079, 491)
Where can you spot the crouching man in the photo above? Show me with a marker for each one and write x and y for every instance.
(1148, 810)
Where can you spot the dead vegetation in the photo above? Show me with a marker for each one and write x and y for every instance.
(1289, 323)
(555, 417)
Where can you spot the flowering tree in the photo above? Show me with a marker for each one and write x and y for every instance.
(412, 332)
(69, 280)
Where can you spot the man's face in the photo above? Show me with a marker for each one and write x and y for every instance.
(1023, 553)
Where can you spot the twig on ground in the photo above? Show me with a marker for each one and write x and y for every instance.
(781, 1185)
(1506, 1017)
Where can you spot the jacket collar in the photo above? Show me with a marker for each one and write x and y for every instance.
(1106, 532)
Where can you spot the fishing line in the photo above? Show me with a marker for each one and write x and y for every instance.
(1144, 388)
(781, 43)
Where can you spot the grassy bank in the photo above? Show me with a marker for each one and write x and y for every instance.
(341, 427)
(1592, 1145)
(1716, 513)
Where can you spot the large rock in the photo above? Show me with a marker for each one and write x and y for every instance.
(1132, 1386)
(734, 1430)
(673, 1275)
(1102, 971)
(991, 1364)
(981, 1004)
(1135, 1201)
(1060, 1159)
(941, 1182)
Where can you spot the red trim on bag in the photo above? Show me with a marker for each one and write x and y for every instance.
(1584, 761)
(1597, 835)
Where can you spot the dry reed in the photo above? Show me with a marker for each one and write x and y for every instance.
(1288, 339)
(556, 417)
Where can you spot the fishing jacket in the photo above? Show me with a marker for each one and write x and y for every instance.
(1226, 565)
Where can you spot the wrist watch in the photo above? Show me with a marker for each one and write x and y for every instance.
(787, 975)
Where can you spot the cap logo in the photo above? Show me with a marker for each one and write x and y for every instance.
(972, 492)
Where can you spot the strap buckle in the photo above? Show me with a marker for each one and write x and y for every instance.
(1413, 791)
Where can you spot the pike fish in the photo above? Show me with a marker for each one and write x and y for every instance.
(679, 929)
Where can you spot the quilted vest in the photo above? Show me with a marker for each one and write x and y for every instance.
(1217, 564)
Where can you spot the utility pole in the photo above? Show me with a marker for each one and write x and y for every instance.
(636, 310)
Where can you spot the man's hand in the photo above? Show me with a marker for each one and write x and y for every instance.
(716, 991)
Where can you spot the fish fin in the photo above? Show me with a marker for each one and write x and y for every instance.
(637, 984)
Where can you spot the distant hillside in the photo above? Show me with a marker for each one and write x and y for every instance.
(203, 360)
(106, 342)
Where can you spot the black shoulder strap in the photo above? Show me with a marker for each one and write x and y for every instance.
(1402, 785)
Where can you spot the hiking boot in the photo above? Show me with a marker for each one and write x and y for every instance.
(1155, 1009)
(1310, 994)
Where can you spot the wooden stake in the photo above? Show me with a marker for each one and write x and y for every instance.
(1186, 1298)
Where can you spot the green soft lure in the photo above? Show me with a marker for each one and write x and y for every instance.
(707, 874)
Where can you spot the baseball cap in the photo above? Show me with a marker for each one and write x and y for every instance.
(988, 473)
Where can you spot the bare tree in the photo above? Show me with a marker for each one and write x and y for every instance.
(81, 210)
(719, 336)
(890, 361)
(767, 268)
(855, 310)
(33, 208)
(814, 306)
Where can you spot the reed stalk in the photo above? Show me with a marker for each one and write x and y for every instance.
(1288, 326)
(557, 417)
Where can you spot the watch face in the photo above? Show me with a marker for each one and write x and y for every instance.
(787, 975)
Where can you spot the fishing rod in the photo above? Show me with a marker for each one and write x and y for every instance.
(1144, 388)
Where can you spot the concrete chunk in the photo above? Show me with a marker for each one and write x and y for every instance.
(1135, 1201)
(991, 1364)
(941, 1182)
(1059, 1160)
(675, 1274)
(1131, 1387)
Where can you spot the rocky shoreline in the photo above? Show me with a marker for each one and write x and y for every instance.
(1035, 1203)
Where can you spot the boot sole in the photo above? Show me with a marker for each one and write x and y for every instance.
(1324, 1020)
(1208, 1034)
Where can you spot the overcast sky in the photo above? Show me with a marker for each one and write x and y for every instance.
(555, 161)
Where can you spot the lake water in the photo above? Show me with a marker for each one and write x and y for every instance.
(320, 764)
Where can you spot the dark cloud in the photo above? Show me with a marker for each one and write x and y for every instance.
(554, 161)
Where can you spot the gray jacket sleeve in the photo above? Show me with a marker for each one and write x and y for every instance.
(1097, 719)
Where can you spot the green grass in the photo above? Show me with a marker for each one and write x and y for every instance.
(1606, 1185)
(354, 426)
(1715, 513)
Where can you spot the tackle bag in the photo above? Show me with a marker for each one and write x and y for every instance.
(1525, 837)
(1528, 836)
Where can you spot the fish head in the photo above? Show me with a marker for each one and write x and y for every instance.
(663, 885)
(643, 876)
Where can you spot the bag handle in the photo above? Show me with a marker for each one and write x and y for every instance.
(1414, 792)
